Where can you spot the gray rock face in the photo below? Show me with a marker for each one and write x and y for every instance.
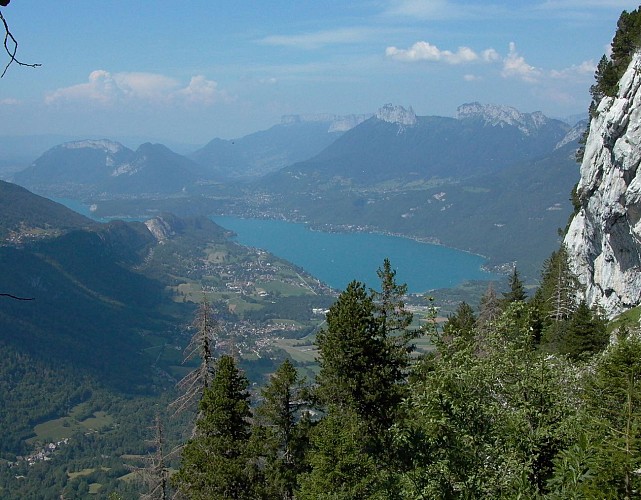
(604, 238)
(495, 115)
(397, 114)
(162, 228)
(574, 134)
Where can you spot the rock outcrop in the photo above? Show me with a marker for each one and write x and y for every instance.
(397, 114)
(500, 116)
(604, 237)
(160, 228)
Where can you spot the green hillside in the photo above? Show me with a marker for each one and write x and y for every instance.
(25, 215)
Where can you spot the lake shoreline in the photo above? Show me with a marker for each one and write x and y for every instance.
(503, 269)
(332, 252)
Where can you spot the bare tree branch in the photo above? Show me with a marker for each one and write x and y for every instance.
(202, 345)
(16, 297)
(155, 473)
(11, 45)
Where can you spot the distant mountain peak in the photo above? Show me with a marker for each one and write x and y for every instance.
(90, 166)
(574, 134)
(498, 115)
(347, 122)
(336, 123)
(397, 114)
(102, 144)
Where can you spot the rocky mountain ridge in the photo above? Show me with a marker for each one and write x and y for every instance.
(336, 123)
(604, 236)
(574, 134)
(497, 115)
(397, 114)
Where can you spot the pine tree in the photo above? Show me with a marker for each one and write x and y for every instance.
(585, 334)
(395, 326)
(606, 82)
(341, 467)
(517, 289)
(358, 371)
(626, 41)
(217, 462)
(282, 433)
(156, 473)
(556, 299)
(395, 318)
(461, 324)
(364, 357)
(364, 354)
(202, 346)
(489, 309)
(614, 411)
(559, 287)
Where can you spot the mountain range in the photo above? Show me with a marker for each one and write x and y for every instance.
(111, 300)
(295, 139)
(493, 181)
(396, 145)
(93, 167)
(448, 180)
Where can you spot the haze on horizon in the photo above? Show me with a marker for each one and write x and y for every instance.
(192, 71)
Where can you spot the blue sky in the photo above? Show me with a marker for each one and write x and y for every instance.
(194, 70)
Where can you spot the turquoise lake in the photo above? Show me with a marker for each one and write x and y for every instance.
(338, 258)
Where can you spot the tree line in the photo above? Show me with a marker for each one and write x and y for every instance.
(524, 397)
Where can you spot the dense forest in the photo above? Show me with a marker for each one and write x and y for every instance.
(526, 399)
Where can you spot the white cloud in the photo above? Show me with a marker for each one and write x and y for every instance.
(101, 88)
(202, 91)
(106, 89)
(471, 78)
(490, 55)
(9, 102)
(574, 71)
(145, 86)
(425, 51)
(515, 66)
(323, 38)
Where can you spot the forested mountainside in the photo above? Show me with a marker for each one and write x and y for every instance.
(295, 139)
(21, 213)
(94, 318)
(531, 397)
(453, 181)
(85, 168)
(532, 394)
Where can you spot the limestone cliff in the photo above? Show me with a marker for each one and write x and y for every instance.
(604, 237)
